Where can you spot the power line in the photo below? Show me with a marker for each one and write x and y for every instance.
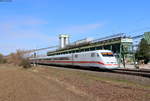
(40, 49)
(138, 36)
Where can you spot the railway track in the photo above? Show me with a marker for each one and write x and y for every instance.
(134, 72)
(137, 72)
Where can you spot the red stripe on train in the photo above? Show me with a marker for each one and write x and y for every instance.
(96, 62)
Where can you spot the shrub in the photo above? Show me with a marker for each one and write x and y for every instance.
(19, 59)
(25, 63)
(2, 59)
(143, 51)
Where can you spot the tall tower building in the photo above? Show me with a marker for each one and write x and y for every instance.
(64, 40)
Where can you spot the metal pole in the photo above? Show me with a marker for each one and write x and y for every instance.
(111, 47)
(135, 65)
(120, 55)
(123, 57)
(34, 64)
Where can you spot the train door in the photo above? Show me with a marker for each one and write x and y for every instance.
(72, 58)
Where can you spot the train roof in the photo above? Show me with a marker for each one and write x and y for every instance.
(97, 51)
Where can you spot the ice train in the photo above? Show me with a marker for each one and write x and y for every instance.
(98, 58)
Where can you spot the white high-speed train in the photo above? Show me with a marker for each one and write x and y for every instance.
(98, 58)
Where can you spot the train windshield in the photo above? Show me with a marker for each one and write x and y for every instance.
(107, 54)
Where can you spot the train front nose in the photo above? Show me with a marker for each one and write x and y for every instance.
(111, 65)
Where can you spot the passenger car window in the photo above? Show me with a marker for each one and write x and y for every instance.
(92, 54)
(76, 55)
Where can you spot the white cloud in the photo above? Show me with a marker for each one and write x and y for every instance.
(22, 29)
(24, 33)
(29, 33)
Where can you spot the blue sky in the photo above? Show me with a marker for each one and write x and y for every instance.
(28, 24)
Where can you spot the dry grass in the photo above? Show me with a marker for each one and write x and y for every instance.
(55, 84)
(96, 87)
(18, 59)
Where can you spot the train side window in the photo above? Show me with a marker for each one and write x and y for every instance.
(76, 55)
(92, 54)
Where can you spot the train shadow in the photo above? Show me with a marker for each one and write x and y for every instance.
(96, 69)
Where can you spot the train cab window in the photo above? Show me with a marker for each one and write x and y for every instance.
(97, 55)
(76, 55)
(107, 54)
(92, 54)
